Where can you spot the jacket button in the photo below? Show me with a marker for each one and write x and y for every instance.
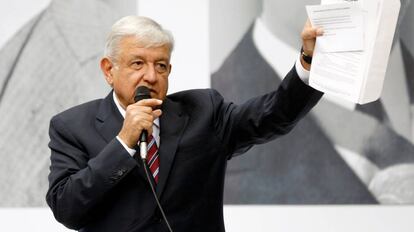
(120, 172)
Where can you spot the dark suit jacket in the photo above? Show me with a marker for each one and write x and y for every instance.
(95, 185)
(300, 168)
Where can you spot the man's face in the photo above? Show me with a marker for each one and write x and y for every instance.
(139, 66)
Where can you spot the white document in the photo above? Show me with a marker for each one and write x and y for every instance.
(358, 76)
(342, 24)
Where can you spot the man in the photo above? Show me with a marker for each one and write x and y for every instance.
(330, 157)
(95, 182)
(46, 67)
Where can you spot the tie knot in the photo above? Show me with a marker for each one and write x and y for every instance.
(150, 137)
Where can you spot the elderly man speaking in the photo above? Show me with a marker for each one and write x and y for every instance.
(97, 181)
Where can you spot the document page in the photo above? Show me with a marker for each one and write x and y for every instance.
(354, 75)
(342, 24)
(339, 74)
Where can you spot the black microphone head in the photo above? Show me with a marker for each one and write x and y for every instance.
(142, 92)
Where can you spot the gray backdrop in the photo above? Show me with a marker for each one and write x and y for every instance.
(52, 64)
(337, 154)
(49, 65)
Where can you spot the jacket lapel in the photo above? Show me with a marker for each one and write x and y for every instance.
(109, 122)
(172, 125)
(108, 119)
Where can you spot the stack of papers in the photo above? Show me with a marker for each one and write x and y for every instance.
(350, 59)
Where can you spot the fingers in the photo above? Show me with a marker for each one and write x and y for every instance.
(138, 117)
(146, 108)
(146, 125)
(142, 116)
(309, 35)
(310, 32)
(319, 31)
(156, 113)
(153, 103)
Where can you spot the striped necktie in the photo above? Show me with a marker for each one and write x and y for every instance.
(153, 160)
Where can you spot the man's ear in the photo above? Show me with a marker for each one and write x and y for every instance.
(170, 68)
(106, 67)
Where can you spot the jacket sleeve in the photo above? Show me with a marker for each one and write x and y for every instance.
(78, 184)
(263, 118)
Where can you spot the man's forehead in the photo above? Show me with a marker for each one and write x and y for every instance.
(133, 47)
(144, 56)
(133, 41)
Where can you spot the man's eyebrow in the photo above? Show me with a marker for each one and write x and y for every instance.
(132, 57)
(165, 59)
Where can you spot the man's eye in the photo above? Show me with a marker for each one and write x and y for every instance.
(161, 67)
(137, 64)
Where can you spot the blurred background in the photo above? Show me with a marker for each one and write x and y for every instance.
(49, 61)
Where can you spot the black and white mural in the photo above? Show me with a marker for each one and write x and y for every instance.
(50, 64)
(341, 153)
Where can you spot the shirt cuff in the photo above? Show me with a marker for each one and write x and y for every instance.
(129, 150)
(302, 72)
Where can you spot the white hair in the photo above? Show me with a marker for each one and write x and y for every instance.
(148, 32)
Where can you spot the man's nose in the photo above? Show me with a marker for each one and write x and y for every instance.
(150, 74)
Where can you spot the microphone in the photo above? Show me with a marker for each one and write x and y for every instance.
(141, 93)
